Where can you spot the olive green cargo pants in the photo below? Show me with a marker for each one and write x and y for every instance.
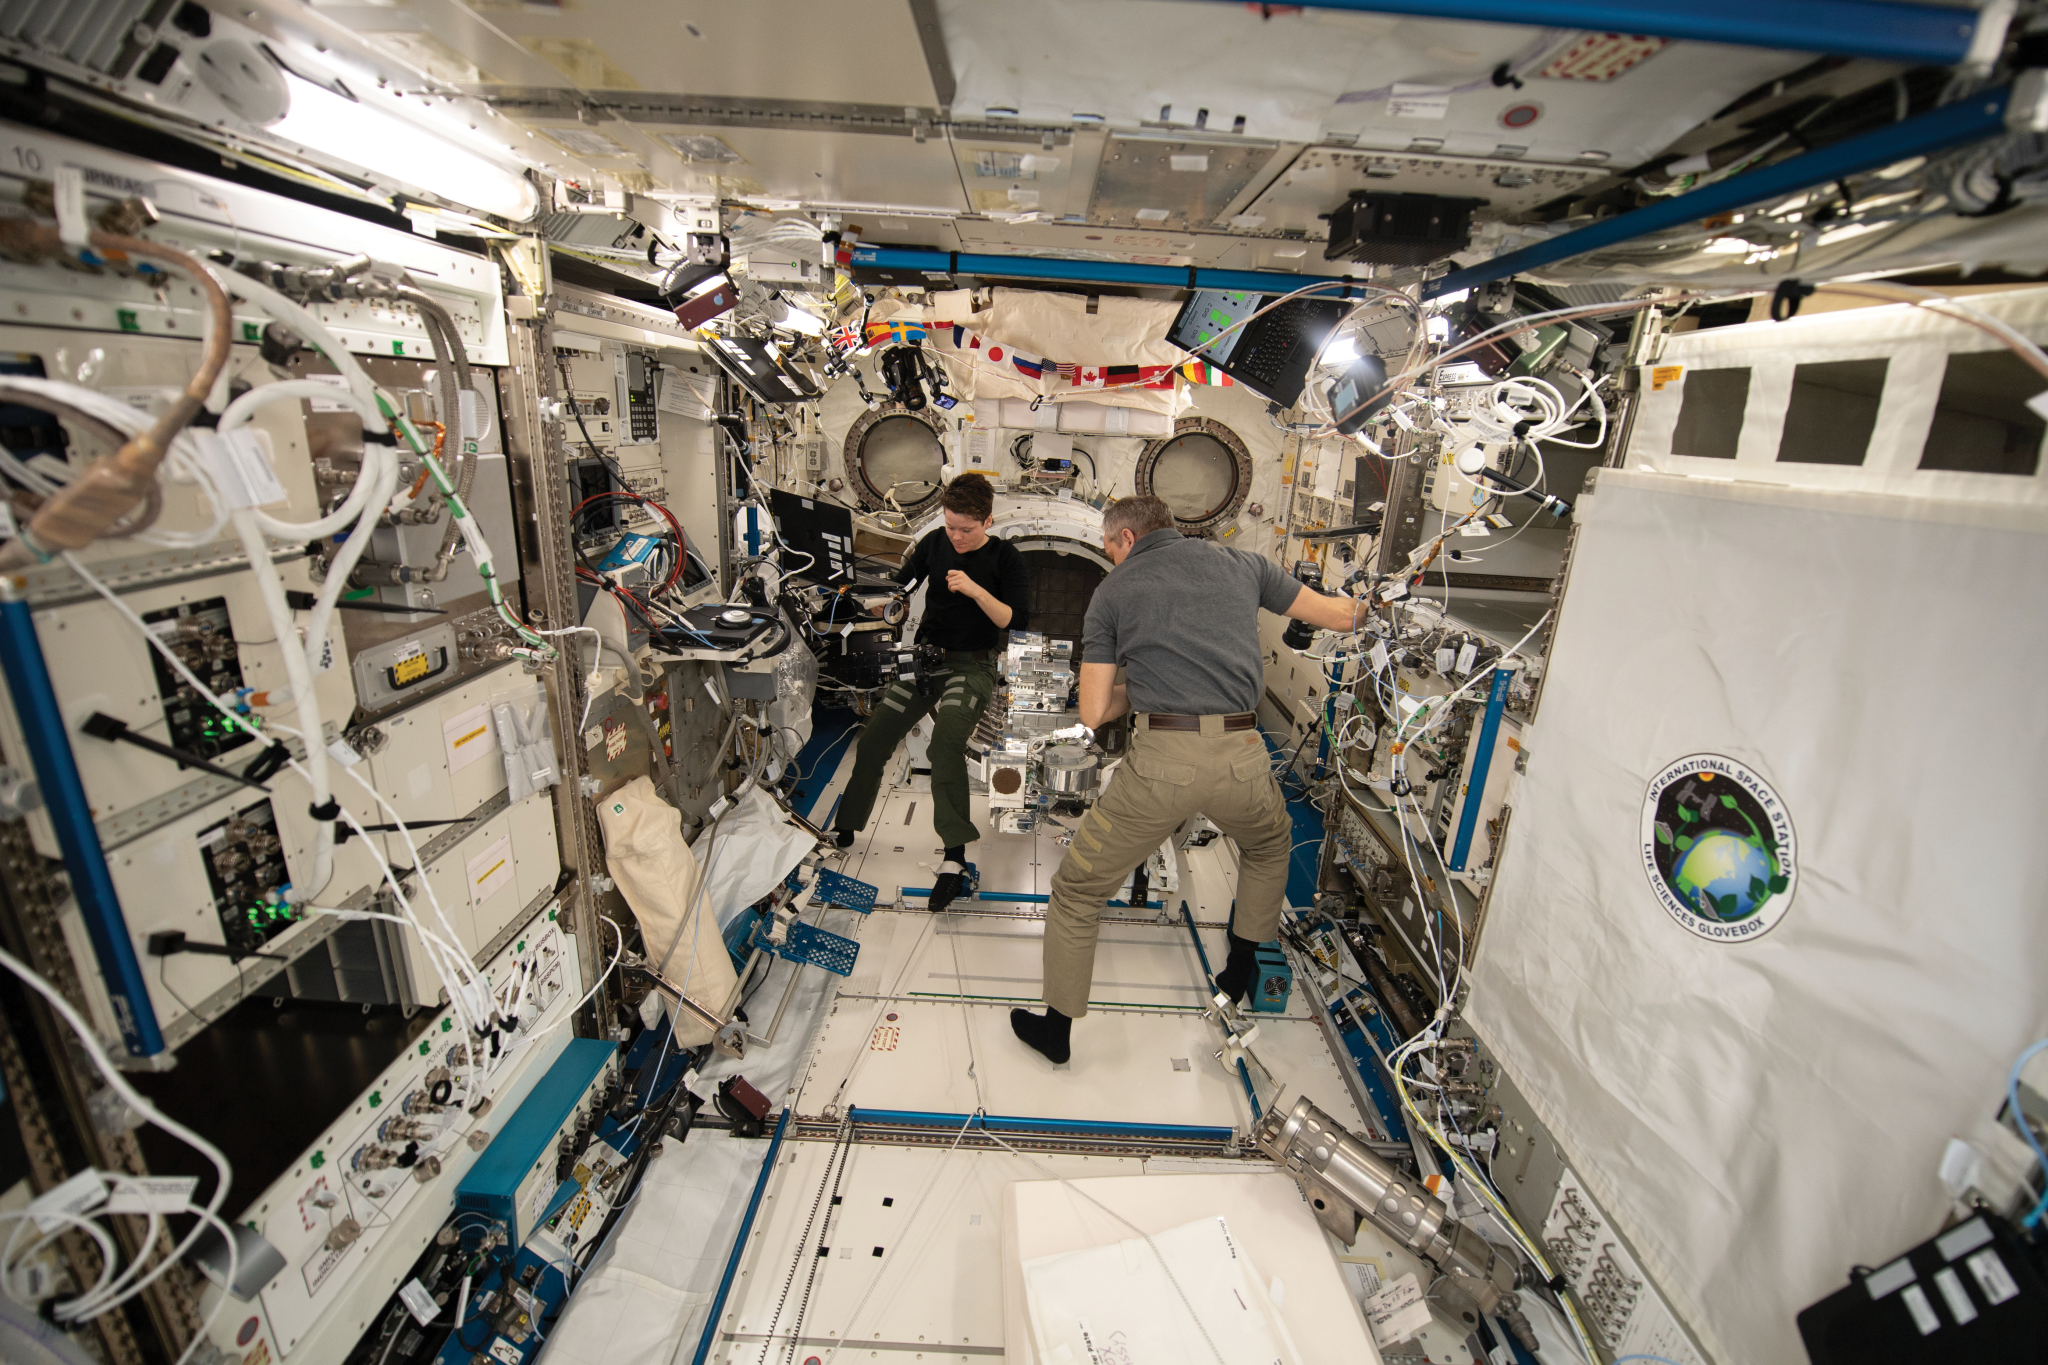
(1167, 777)
(963, 693)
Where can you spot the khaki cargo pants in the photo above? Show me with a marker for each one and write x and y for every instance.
(1167, 777)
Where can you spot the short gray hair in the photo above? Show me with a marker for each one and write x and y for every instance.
(1141, 516)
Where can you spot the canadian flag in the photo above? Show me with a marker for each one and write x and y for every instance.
(1088, 377)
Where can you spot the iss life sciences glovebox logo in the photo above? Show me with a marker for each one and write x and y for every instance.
(1718, 847)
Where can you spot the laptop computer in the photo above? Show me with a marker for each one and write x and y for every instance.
(1272, 353)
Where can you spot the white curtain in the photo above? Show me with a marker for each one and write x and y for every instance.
(1759, 1114)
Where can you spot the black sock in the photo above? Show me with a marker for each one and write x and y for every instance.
(1044, 1033)
(1236, 977)
(946, 885)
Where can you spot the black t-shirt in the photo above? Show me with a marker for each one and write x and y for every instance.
(953, 620)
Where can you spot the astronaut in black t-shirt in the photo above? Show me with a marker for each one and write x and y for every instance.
(975, 590)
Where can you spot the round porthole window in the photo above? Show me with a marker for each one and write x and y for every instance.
(892, 449)
(1202, 472)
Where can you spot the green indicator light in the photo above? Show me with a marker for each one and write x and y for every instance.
(376, 1098)
(447, 1024)
(398, 348)
(318, 1160)
(520, 946)
(251, 332)
(130, 321)
(423, 1049)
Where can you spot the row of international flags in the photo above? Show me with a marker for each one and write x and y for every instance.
(909, 332)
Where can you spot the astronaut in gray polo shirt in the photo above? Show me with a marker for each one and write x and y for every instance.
(1181, 617)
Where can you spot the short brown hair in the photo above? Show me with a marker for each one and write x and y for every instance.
(1141, 516)
(971, 495)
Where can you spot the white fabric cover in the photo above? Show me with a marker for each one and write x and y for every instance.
(1760, 1115)
(658, 875)
(1058, 327)
(754, 847)
(527, 746)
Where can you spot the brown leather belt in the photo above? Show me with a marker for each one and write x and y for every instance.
(1155, 720)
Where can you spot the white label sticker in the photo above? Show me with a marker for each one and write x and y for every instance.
(1398, 1311)
(1475, 530)
(468, 737)
(504, 1352)
(1419, 101)
(151, 1194)
(490, 872)
(1915, 1299)
(1198, 161)
(1992, 1276)
(418, 1302)
(466, 408)
(1378, 656)
(240, 465)
(1467, 656)
(1954, 1295)
(344, 753)
(329, 404)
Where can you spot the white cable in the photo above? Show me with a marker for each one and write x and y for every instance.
(109, 1258)
(271, 588)
(134, 1100)
(183, 458)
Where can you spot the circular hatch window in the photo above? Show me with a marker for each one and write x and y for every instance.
(892, 448)
(1202, 472)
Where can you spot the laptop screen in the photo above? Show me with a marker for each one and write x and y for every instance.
(1210, 313)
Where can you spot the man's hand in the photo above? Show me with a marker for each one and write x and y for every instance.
(959, 582)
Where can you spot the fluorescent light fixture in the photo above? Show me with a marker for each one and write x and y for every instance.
(796, 319)
(406, 152)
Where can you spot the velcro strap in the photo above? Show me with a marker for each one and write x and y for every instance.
(330, 811)
(950, 866)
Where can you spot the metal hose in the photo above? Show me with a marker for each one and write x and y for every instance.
(109, 488)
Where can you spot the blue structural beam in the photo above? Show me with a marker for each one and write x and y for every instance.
(1482, 763)
(1933, 35)
(85, 862)
(1953, 125)
(1004, 1123)
(989, 267)
(739, 1242)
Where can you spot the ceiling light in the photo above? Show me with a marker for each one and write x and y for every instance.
(404, 151)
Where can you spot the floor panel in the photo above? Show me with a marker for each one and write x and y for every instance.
(935, 1218)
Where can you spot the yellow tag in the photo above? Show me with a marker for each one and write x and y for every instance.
(409, 670)
(1665, 374)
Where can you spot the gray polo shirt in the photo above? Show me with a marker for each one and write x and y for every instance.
(1182, 617)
